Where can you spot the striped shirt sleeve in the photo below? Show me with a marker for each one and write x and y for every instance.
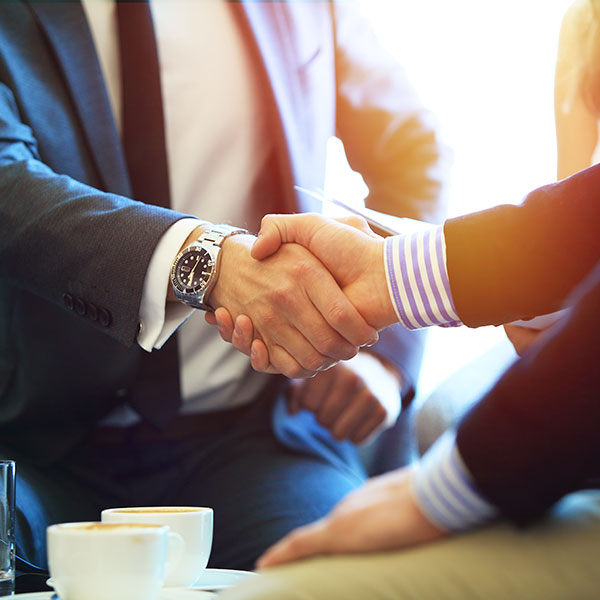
(445, 490)
(417, 278)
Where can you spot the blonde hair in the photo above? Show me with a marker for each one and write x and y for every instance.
(580, 50)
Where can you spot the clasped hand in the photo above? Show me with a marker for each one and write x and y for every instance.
(329, 299)
(296, 308)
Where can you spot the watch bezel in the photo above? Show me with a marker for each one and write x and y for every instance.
(196, 291)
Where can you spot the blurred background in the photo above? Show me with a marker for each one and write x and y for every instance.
(486, 69)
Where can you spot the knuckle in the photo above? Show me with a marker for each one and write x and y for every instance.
(314, 361)
(357, 221)
(270, 319)
(348, 351)
(337, 315)
(293, 372)
(277, 296)
(353, 380)
(301, 269)
(283, 297)
(369, 401)
(330, 345)
(380, 413)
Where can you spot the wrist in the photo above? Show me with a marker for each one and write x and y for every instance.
(234, 250)
(383, 306)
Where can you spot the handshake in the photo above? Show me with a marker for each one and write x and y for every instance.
(314, 294)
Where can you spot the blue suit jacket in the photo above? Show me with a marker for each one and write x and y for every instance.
(74, 246)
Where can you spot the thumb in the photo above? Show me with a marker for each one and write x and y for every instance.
(280, 229)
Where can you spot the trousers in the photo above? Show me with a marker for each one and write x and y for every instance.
(230, 461)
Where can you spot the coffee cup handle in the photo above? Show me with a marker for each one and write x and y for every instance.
(175, 549)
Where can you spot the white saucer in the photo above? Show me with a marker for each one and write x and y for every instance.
(210, 580)
(164, 594)
(219, 579)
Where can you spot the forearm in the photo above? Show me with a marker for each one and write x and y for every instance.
(72, 236)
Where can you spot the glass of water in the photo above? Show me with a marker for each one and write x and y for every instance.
(7, 526)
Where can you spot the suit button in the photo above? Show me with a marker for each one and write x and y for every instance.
(104, 317)
(92, 311)
(68, 301)
(80, 308)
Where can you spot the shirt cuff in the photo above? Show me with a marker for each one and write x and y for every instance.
(445, 490)
(159, 319)
(417, 278)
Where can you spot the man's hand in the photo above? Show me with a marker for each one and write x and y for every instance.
(381, 515)
(350, 251)
(354, 400)
(347, 247)
(297, 308)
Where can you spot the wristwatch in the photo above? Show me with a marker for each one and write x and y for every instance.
(195, 270)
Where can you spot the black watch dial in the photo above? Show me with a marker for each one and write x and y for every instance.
(193, 271)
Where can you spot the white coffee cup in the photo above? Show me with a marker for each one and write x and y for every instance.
(193, 523)
(104, 561)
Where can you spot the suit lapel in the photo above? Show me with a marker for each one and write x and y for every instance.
(283, 35)
(66, 28)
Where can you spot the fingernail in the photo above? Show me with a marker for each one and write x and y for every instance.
(371, 342)
(252, 351)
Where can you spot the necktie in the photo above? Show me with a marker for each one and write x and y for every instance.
(156, 394)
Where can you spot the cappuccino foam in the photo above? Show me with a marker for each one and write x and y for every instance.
(109, 526)
(159, 509)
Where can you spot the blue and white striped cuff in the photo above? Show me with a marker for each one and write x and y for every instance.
(417, 278)
(445, 490)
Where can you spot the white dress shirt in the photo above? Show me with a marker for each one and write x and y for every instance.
(217, 143)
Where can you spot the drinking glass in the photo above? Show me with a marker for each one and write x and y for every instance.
(7, 526)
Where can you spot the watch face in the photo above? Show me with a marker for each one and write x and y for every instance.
(193, 271)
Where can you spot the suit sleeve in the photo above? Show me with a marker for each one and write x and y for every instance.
(389, 136)
(515, 262)
(59, 236)
(534, 437)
